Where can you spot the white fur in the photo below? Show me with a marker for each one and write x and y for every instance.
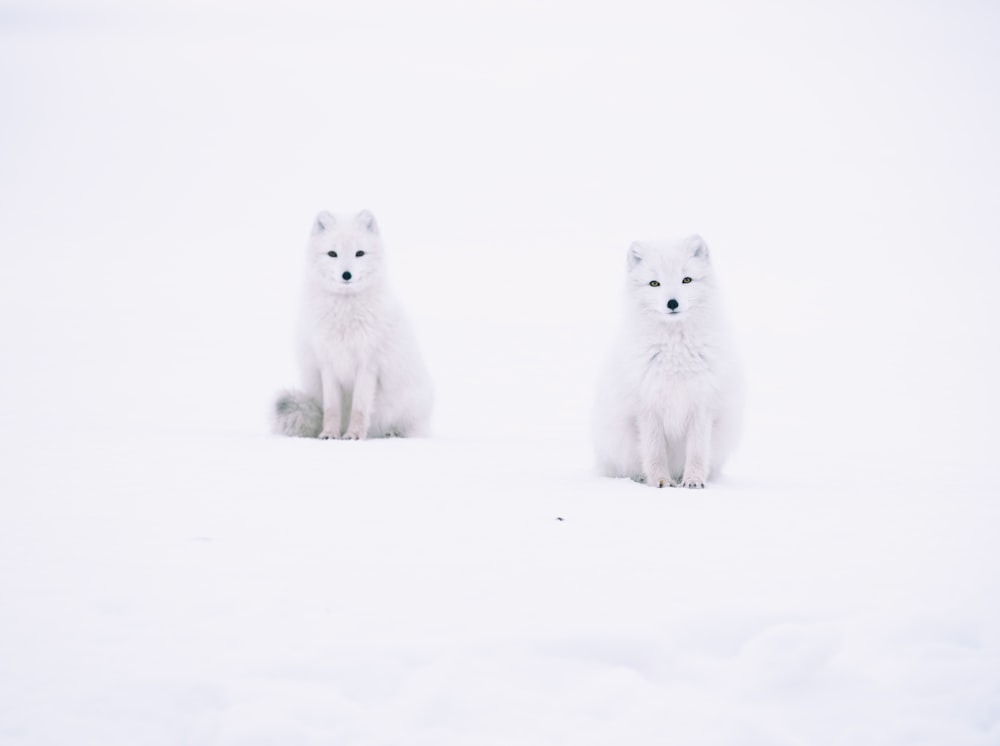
(669, 403)
(362, 372)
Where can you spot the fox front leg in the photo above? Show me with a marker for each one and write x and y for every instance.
(697, 448)
(331, 406)
(653, 451)
(361, 405)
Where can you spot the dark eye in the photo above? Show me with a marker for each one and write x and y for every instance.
(686, 280)
(360, 253)
(332, 253)
(654, 283)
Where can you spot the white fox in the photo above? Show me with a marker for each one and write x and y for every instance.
(362, 372)
(669, 404)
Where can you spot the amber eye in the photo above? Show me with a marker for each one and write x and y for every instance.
(654, 284)
(686, 280)
(360, 253)
(332, 253)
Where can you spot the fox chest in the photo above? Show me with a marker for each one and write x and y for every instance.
(676, 382)
(343, 352)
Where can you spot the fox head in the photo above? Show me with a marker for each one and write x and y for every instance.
(345, 254)
(670, 280)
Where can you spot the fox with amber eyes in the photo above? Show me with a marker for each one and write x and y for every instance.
(362, 372)
(668, 409)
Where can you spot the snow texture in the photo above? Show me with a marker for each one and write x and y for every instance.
(171, 573)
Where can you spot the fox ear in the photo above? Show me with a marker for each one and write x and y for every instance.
(698, 246)
(634, 254)
(367, 221)
(324, 221)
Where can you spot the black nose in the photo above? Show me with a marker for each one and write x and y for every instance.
(346, 276)
(671, 304)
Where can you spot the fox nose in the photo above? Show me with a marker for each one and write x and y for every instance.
(672, 304)
(346, 276)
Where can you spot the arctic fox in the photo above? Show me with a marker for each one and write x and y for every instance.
(669, 404)
(362, 373)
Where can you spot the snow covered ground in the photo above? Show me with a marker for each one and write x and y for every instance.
(172, 574)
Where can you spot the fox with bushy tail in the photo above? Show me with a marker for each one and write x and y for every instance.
(361, 369)
(669, 404)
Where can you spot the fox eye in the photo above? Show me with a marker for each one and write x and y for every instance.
(332, 253)
(360, 253)
(686, 280)
(654, 283)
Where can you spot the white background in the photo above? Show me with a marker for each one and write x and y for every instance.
(170, 573)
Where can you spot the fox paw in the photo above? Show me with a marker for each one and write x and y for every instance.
(659, 482)
(694, 484)
(353, 435)
(329, 435)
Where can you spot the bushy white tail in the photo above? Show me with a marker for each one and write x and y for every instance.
(297, 415)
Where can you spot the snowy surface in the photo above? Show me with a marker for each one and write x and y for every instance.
(172, 574)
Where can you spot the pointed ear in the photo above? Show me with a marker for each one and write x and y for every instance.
(698, 247)
(634, 254)
(367, 221)
(324, 221)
